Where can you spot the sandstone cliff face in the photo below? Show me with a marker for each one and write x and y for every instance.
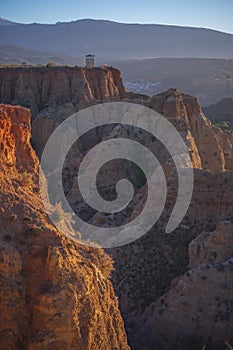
(212, 247)
(54, 294)
(210, 150)
(197, 310)
(54, 93)
(39, 88)
(209, 147)
(145, 269)
(16, 151)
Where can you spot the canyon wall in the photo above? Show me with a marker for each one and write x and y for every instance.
(54, 93)
(41, 87)
(209, 147)
(152, 275)
(54, 293)
(197, 310)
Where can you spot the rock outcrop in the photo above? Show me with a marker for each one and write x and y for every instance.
(54, 293)
(212, 247)
(209, 147)
(54, 93)
(197, 311)
(41, 87)
(162, 305)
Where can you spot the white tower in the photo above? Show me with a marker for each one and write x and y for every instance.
(90, 61)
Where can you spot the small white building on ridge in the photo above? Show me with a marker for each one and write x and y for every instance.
(90, 61)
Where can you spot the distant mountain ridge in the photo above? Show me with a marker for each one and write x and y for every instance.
(6, 22)
(12, 54)
(221, 110)
(112, 40)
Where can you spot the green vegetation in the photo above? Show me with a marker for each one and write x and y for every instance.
(27, 218)
(36, 228)
(225, 125)
(26, 179)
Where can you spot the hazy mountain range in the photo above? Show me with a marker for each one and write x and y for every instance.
(183, 53)
(111, 40)
(12, 54)
(208, 79)
(6, 22)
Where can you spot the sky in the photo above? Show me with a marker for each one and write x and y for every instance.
(214, 14)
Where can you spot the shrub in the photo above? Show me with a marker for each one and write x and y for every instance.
(220, 268)
(7, 237)
(26, 179)
(36, 228)
(58, 213)
(27, 218)
(106, 265)
(13, 217)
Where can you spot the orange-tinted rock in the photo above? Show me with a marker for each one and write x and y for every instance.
(212, 247)
(197, 310)
(54, 294)
(55, 86)
(15, 148)
(144, 269)
(54, 93)
(206, 143)
(209, 147)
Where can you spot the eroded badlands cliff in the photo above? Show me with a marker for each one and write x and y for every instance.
(54, 93)
(54, 294)
(197, 310)
(174, 289)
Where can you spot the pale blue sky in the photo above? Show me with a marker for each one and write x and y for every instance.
(215, 14)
